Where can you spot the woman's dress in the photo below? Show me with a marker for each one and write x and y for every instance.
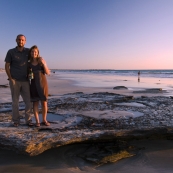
(38, 85)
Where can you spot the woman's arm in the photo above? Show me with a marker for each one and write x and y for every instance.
(46, 69)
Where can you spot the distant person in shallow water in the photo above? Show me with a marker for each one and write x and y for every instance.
(139, 76)
(37, 69)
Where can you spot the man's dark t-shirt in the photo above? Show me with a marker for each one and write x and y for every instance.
(18, 63)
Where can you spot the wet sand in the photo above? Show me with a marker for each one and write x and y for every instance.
(59, 86)
(154, 156)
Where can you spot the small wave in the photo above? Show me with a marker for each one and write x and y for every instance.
(144, 73)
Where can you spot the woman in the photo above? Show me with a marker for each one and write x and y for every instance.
(38, 84)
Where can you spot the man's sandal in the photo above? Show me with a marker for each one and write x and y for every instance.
(30, 124)
(45, 123)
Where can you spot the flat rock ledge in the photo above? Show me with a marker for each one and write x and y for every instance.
(89, 118)
(151, 90)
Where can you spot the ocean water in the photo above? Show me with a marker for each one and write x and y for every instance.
(143, 73)
(112, 78)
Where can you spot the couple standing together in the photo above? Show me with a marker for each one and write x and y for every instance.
(18, 62)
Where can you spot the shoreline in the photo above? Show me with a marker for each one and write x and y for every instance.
(63, 85)
(60, 84)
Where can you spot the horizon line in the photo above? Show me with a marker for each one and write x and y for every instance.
(98, 69)
(107, 69)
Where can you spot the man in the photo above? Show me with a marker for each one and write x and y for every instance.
(16, 63)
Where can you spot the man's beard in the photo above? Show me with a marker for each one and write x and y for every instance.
(20, 45)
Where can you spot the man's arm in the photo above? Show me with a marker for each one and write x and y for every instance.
(7, 69)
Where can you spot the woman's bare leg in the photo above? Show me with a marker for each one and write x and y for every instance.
(36, 111)
(44, 110)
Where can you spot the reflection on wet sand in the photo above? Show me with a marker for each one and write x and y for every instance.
(154, 156)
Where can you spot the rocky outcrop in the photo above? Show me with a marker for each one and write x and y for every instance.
(4, 86)
(152, 91)
(120, 87)
(79, 117)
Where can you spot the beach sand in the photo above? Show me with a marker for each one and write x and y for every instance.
(154, 156)
(59, 86)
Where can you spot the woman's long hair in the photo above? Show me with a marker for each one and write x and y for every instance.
(30, 58)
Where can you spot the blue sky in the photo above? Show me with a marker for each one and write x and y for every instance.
(92, 34)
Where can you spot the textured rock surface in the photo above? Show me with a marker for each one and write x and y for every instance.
(79, 117)
(152, 90)
(120, 87)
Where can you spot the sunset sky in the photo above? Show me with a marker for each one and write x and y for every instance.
(92, 34)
